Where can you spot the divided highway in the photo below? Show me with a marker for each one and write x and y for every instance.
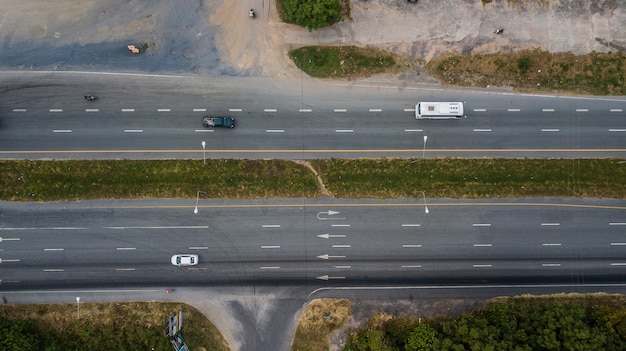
(315, 242)
(144, 116)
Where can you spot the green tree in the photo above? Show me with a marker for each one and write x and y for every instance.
(421, 338)
(312, 14)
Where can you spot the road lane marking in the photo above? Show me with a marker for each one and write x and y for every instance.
(163, 110)
(327, 256)
(618, 244)
(124, 269)
(582, 110)
(617, 223)
(550, 265)
(270, 246)
(548, 110)
(166, 227)
(617, 130)
(550, 224)
(125, 248)
(270, 226)
(8, 239)
(61, 131)
(199, 110)
(270, 110)
(482, 130)
(411, 245)
(480, 110)
(204, 130)
(342, 246)
(56, 110)
(19, 110)
(59, 249)
(615, 110)
(133, 130)
(274, 131)
(409, 110)
(305, 110)
(128, 110)
(514, 110)
(481, 225)
(482, 245)
(328, 236)
(618, 264)
(411, 225)
(413, 266)
(53, 270)
(340, 225)
(234, 110)
(376, 110)
(413, 130)
(342, 267)
(340, 110)
(269, 267)
(198, 248)
(92, 110)
(551, 244)
(44, 228)
(481, 265)
(549, 130)
(344, 130)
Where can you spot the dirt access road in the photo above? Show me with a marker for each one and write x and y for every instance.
(218, 37)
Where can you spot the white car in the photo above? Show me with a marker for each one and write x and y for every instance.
(184, 260)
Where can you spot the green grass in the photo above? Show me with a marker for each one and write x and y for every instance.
(320, 318)
(342, 62)
(103, 326)
(250, 179)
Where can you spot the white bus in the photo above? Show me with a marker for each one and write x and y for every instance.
(424, 110)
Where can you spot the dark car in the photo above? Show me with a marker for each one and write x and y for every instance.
(210, 122)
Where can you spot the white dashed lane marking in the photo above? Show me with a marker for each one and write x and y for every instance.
(128, 110)
(234, 110)
(91, 110)
(482, 130)
(133, 130)
(270, 110)
(56, 110)
(199, 110)
(547, 110)
(61, 131)
(340, 110)
(549, 130)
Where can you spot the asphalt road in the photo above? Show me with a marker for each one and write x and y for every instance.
(291, 242)
(43, 115)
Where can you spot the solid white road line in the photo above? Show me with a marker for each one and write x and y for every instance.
(617, 223)
(617, 130)
(270, 226)
(234, 110)
(61, 131)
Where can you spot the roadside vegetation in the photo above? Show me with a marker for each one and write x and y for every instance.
(313, 14)
(25, 180)
(342, 62)
(535, 70)
(319, 319)
(102, 326)
(556, 322)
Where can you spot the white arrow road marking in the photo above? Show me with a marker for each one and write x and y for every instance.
(325, 236)
(326, 277)
(329, 213)
(327, 256)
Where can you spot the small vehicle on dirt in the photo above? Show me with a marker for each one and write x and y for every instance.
(210, 122)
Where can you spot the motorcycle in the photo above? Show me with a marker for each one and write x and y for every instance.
(90, 98)
(252, 14)
(498, 30)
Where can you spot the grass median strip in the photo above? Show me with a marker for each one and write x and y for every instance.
(25, 180)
